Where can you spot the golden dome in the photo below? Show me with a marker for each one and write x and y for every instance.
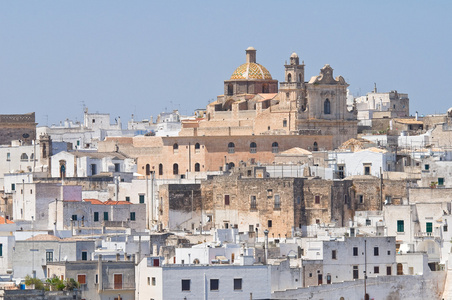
(251, 71)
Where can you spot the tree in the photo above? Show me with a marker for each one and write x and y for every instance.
(38, 284)
(71, 284)
(56, 284)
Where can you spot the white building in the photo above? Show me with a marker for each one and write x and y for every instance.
(85, 164)
(159, 282)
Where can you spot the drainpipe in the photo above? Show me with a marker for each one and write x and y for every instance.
(99, 272)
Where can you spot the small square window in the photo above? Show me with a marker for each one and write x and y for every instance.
(127, 198)
(426, 167)
(237, 284)
(214, 284)
(74, 217)
(185, 284)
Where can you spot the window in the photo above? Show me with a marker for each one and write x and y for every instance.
(175, 169)
(74, 218)
(197, 148)
(81, 279)
(361, 199)
(49, 255)
(317, 199)
(132, 216)
(269, 223)
(327, 107)
(127, 198)
(376, 270)
(24, 157)
(277, 202)
(230, 89)
(429, 227)
(355, 272)
(214, 284)
(269, 193)
(197, 167)
(185, 284)
(376, 251)
(368, 222)
(153, 281)
(289, 78)
(316, 146)
(400, 226)
(445, 228)
(253, 147)
(388, 270)
(96, 216)
(226, 199)
(275, 147)
(160, 169)
(231, 148)
(426, 167)
(253, 204)
(8, 156)
(440, 181)
(118, 168)
(13, 186)
(355, 251)
(237, 284)
(298, 200)
(284, 123)
(366, 169)
(141, 196)
(84, 255)
(117, 281)
(175, 148)
(93, 169)
(105, 215)
(333, 254)
(340, 172)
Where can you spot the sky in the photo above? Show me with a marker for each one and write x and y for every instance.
(147, 57)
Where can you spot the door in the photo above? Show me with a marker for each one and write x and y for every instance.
(118, 281)
(319, 279)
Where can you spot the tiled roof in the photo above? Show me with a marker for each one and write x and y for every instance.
(5, 221)
(251, 71)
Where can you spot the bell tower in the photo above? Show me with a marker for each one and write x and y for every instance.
(293, 87)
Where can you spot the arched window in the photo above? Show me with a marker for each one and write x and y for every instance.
(327, 107)
(148, 169)
(399, 269)
(253, 147)
(197, 167)
(230, 89)
(197, 148)
(316, 146)
(231, 147)
(160, 169)
(289, 78)
(175, 148)
(275, 147)
(175, 169)
(32, 157)
(24, 157)
(231, 165)
(299, 77)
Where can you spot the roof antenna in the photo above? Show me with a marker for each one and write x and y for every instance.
(375, 87)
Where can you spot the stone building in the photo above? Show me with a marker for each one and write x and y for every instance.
(251, 122)
(17, 127)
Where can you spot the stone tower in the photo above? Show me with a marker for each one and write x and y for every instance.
(293, 88)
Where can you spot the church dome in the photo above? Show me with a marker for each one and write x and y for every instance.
(251, 71)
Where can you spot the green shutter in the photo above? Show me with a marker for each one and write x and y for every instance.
(429, 226)
(105, 215)
(400, 226)
(141, 198)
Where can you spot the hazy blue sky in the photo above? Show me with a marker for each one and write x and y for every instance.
(144, 57)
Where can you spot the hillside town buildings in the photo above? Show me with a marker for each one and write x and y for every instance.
(276, 190)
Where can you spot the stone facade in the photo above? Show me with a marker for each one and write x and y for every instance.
(17, 127)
